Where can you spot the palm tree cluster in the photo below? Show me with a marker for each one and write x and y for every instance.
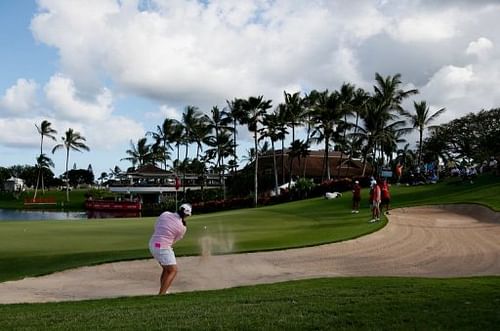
(72, 140)
(351, 120)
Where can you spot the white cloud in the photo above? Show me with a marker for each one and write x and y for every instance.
(425, 27)
(115, 131)
(63, 97)
(20, 98)
(174, 53)
(170, 112)
(464, 89)
(195, 53)
(18, 132)
(481, 47)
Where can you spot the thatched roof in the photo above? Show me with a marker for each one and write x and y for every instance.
(313, 165)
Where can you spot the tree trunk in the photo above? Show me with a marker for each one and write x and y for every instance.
(327, 159)
(420, 147)
(67, 175)
(275, 169)
(256, 167)
(283, 161)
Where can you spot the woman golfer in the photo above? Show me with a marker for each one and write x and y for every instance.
(169, 228)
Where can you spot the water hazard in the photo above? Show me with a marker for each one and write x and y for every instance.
(42, 215)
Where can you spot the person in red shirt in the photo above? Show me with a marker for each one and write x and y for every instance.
(356, 197)
(386, 197)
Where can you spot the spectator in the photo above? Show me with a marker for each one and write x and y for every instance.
(386, 197)
(376, 199)
(356, 197)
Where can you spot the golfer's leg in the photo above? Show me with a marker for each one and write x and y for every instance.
(167, 276)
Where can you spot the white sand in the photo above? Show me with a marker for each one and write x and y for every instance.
(447, 241)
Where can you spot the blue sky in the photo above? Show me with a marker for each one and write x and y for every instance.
(113, 70)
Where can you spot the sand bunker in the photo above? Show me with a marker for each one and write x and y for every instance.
(443, 241)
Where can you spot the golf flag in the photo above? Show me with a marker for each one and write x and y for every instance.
(177, 183)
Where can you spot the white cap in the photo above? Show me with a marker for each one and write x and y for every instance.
(356, 182)
(186, 208)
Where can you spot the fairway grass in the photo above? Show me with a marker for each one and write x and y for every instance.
(326, 304)
(31, 248)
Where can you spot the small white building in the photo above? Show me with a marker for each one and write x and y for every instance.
(14, 185)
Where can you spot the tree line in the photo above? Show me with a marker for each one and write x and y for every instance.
(358, 123)
(367, 125)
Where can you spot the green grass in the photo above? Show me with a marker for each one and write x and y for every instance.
(29, 248)
(485, 191)
(77, 199)
(40, 247)
(320, 304)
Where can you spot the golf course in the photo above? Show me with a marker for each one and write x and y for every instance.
(310, 264)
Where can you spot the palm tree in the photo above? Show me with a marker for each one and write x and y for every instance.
(421, 120)
(163, 137)
(282, 128)
(237, 115)
(44, 163)
(382, 108)
(72, 140)
(219, 123)
(294, 106)
(255, 108)
(177, 137)
(326, 115)
(273, 130)
(360, 98)
(308, 103)
(377, 129)
(140, 154)
(346, 108)
(103, 177)
(298, 149)
(200, 133)
(45, 130)
(115, 172)
(388, 93)
(190, 118)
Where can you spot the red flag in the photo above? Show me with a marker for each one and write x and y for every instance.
(177, 183)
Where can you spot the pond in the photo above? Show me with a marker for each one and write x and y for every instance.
(41, 215)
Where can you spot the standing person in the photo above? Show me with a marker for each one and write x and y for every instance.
(399, 172)
(169, 228)
(386, 197)
(356, 197)
(377, 196)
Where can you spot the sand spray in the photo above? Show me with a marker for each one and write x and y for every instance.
(215, 240)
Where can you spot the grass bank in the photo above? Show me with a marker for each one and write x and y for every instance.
(77, 199)
(320, 304)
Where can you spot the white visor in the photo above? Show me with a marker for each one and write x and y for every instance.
(186, 208)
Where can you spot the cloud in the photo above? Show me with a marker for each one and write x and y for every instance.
(18, 133)
(115, 131)
(203, 53)
(64, 99)
(425, 27)
(20, 98)
(481, 47)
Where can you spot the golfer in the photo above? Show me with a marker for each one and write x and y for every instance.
(169, 228)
